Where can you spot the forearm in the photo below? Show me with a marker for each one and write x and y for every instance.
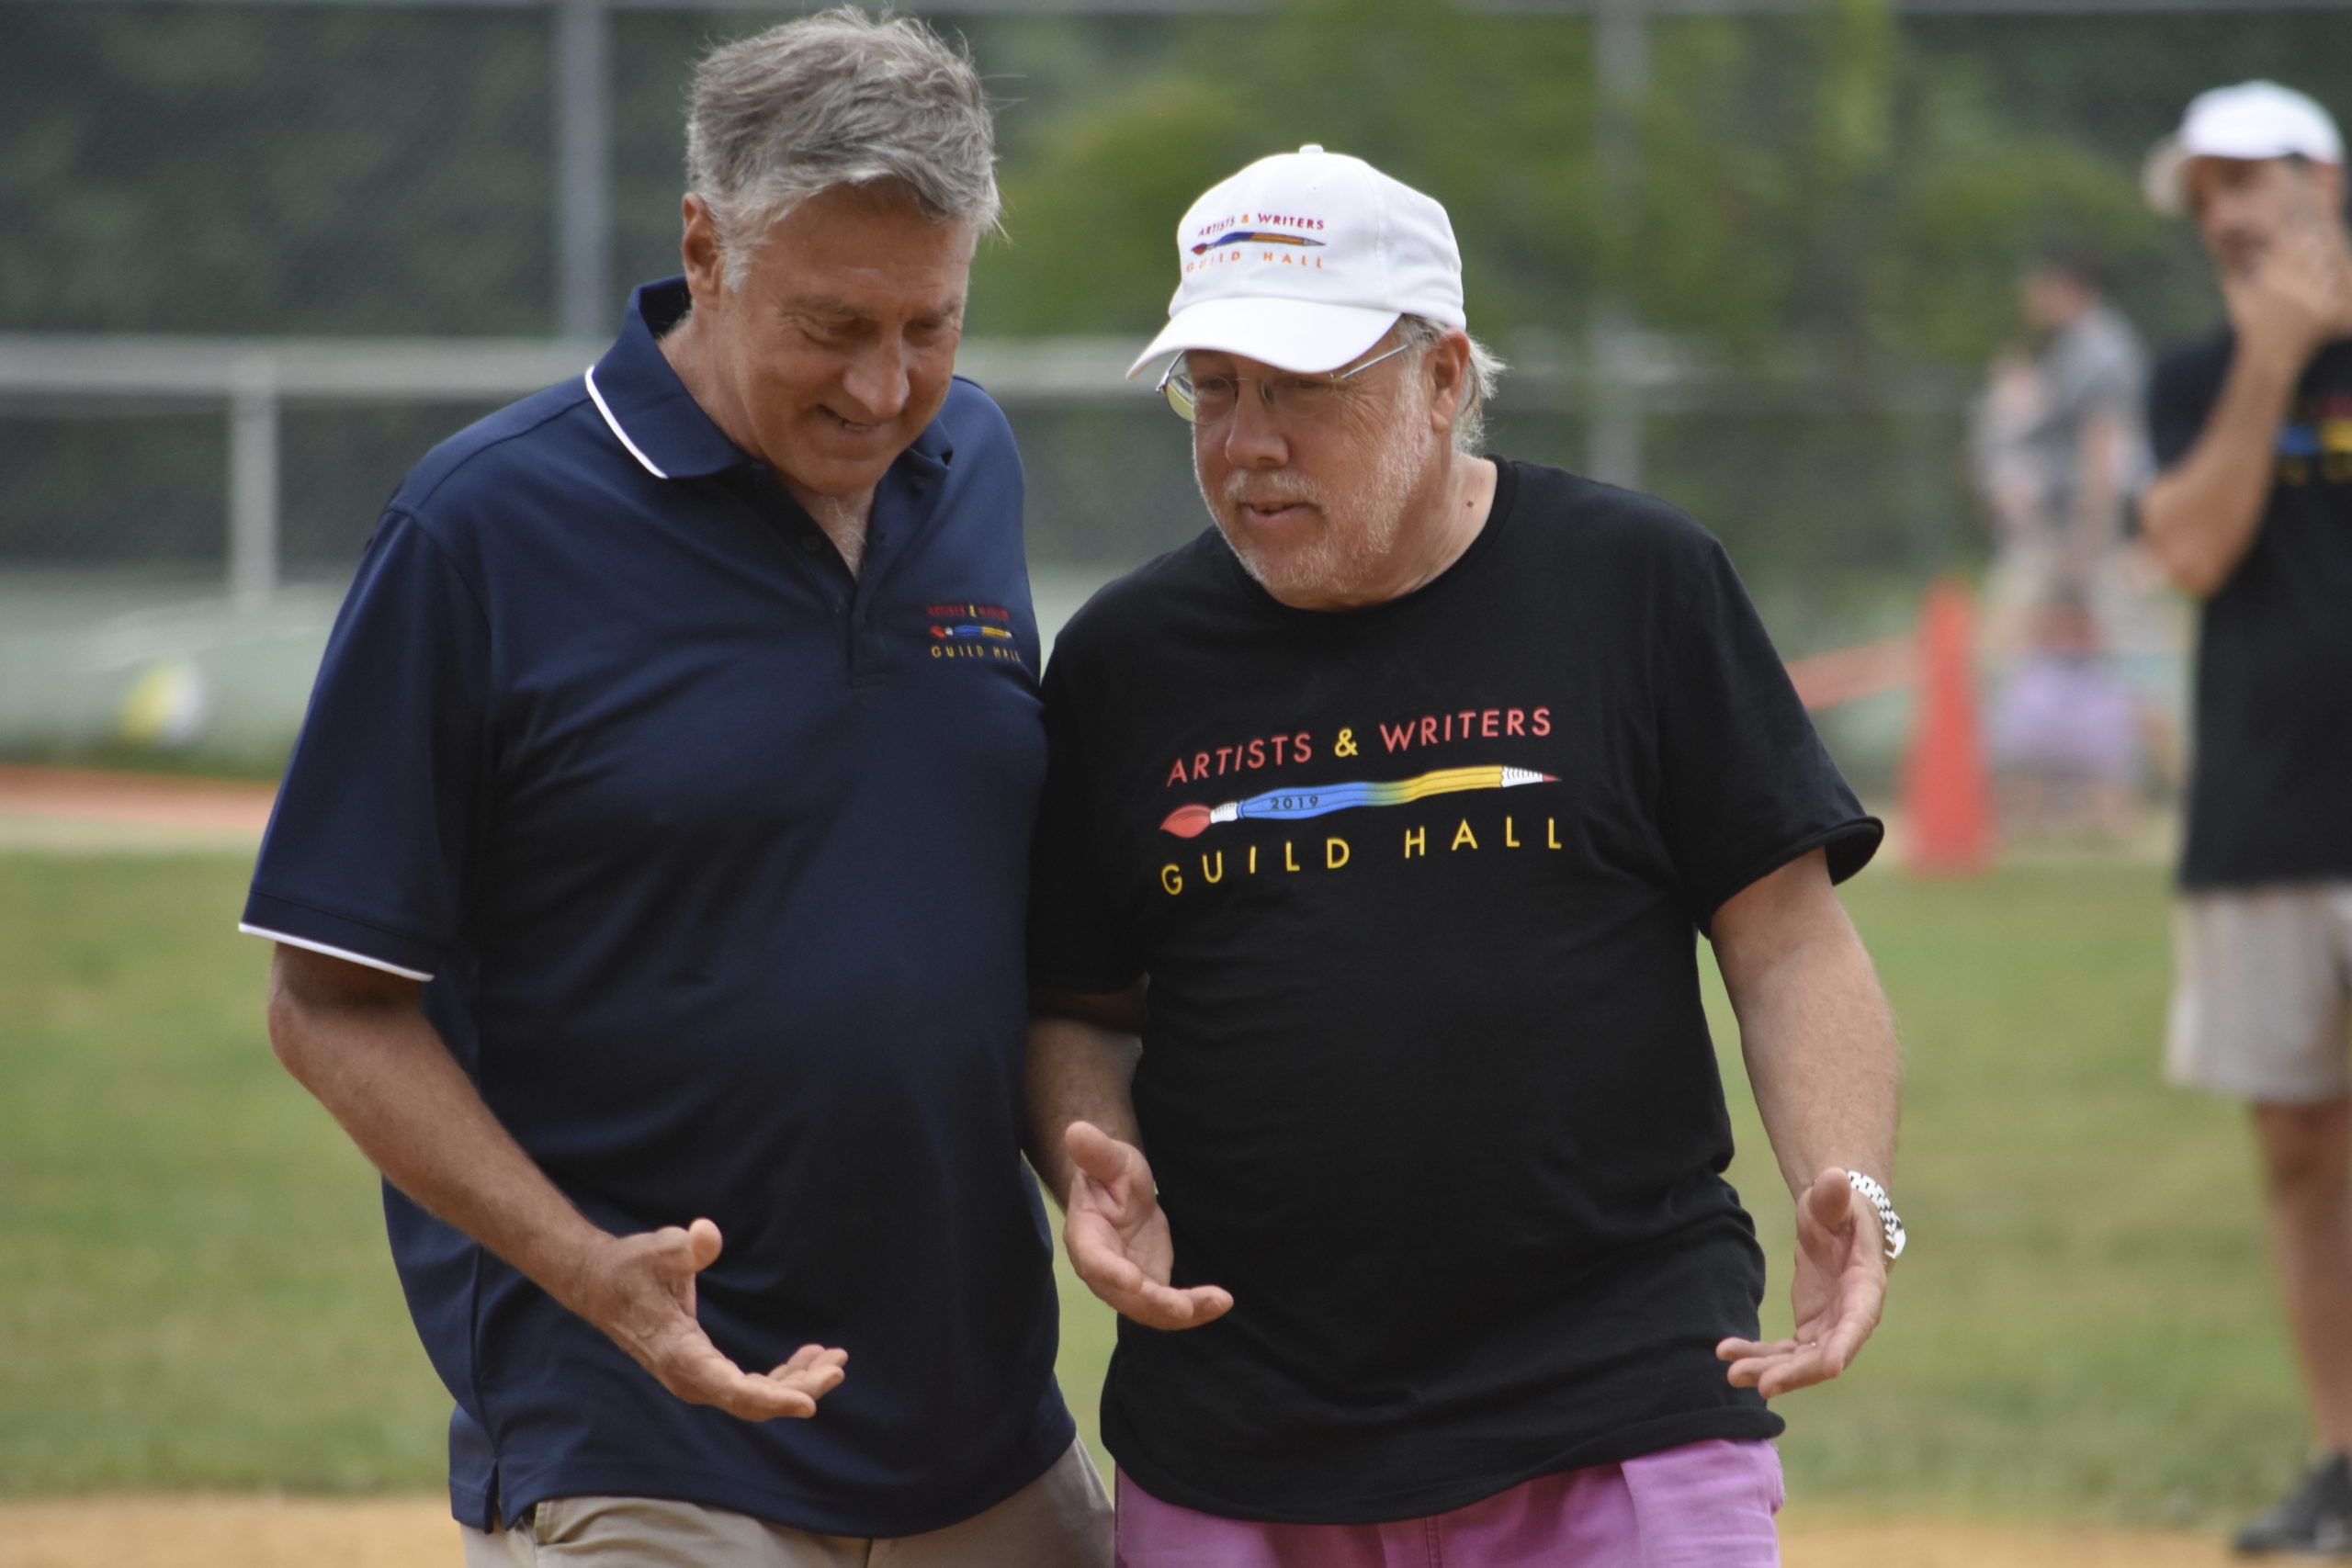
(376, 1064)
(2200, 517)
(1820, 1047)
(1080, 1071)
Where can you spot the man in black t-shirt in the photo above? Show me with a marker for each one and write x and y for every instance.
(1377, 824)
(2253, 513)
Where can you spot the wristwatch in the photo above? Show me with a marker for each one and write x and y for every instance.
(1888, 1220)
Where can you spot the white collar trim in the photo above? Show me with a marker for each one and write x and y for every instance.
(615, 426)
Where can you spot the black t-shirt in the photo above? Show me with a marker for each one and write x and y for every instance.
(2270, 794)
(1426, 1081)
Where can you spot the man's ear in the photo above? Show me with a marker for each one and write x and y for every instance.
(702, 252)
(1447, 366)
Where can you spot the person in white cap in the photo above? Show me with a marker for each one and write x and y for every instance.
(2252, 512)
(1402, 789)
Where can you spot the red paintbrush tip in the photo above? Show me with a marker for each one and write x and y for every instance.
(1186, 821)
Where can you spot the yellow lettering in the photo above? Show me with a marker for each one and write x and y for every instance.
(1335, 853)
(1552, 831)
(1289, 864)
(1253, 859)
(1216, 876)
(1509, 842)
(1172, 879)
(1463, 835)
(1416, 842)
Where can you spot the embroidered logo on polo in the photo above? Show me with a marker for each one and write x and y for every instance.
(972, 631)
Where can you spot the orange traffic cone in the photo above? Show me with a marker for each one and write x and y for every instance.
(1947, 793)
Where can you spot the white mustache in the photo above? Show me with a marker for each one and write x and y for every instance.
(1241, 492)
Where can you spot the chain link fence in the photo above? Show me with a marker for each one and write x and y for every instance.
(356, 173)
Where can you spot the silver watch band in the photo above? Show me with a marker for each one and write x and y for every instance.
(1889, 1221)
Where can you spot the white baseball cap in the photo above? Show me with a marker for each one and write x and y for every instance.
(1304, 259)
(2253, 120)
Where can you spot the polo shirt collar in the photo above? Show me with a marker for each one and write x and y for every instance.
(645, 405)
(653, 416)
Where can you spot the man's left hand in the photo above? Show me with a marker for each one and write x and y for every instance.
(1839, 1292)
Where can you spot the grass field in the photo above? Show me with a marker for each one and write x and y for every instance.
(194, 1291)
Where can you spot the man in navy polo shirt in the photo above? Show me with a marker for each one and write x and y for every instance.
(648, 882)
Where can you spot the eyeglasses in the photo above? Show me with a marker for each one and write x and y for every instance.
(1211, 399)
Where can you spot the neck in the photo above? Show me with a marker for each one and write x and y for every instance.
(1447, 512)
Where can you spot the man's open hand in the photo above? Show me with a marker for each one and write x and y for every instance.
(641, 1291)
(1839, 1292)
(1118, 1238)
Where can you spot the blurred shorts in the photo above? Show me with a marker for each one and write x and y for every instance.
(1062, 1519)
(2261, 981)
(1701, 1505)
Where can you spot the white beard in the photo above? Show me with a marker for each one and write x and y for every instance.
(1360, 524)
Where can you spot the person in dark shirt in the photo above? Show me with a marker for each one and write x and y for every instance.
(648, 882)
(1378, 824)
(2252, 512)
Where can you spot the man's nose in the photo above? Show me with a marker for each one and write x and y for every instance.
(879, 382)
(1252, 439)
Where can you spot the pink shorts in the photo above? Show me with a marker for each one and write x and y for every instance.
(1702, 1506)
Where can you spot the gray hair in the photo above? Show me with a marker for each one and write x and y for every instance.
(837, 99)
(1421, 334)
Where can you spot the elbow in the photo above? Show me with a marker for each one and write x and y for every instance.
(2192, 574)
(2186, 566)
(289, 1034)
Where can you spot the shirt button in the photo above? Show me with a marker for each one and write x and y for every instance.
(810, 544)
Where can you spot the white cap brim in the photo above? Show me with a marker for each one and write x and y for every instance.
(1291, 334)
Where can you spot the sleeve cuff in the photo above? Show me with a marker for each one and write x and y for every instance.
(1850, 844)
(337, 936)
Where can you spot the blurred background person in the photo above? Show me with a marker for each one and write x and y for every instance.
(2253, 513)
(2060, 445)
(2067, 729)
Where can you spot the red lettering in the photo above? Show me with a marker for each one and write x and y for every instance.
(1222, 753)
(1280, 741)
(1300, 748)
(1429, 732)
(1176, 775)
(1487, 723)
(1256, 753)
(1542, 721)
(1514, 722)
(1469, 719)
(1449, 726)
(1396, 739)
(1201, 765)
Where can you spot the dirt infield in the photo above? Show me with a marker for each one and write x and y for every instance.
(83, 810)
(415, 1532)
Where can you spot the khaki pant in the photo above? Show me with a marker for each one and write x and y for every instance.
(1062, 1519)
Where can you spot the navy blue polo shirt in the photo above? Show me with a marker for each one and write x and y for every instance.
(714, 858)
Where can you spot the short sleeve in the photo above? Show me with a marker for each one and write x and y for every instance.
(2181, 400)
(1746, 784)
(1077, 942)
(368, 851)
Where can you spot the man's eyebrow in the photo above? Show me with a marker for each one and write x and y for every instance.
(947, 310)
